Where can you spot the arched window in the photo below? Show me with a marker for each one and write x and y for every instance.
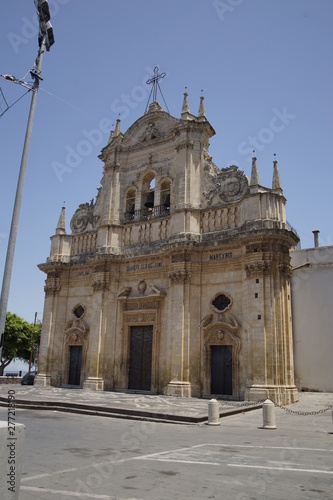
(165, 196)
(130, 204)
(148, 192)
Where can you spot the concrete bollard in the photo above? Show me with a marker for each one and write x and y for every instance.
(213, 412)
(11, 458)
(268, 413)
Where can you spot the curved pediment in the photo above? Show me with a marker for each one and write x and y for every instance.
(156, 124)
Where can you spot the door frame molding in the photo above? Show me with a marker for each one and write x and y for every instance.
(151, 326)
(148, 318)
(139, 311)
(74, 337)
(219, 334)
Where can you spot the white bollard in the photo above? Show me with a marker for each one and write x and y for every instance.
(213, 412)
(268, 413)
(11, 458)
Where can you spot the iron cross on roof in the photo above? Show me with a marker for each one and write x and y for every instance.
(155, 85)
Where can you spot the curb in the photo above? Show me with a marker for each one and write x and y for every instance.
(124, 413)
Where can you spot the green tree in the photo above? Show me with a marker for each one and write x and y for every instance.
(18, 339)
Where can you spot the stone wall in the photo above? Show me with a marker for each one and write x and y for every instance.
(10, 380)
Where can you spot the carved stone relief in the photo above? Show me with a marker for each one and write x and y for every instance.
(83, 216)
(186, 143)
(151, 132)
(285, 269)
(134, 306)
(100, 279)
(229, 185)
(180, 277)
(142, 287)
(140, 318)
(52, 284)
(258, 268)
(180, 257)
(77, 322)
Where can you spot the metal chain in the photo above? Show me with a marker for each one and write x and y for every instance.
(304, 413)
(288, 410)
(246, 403)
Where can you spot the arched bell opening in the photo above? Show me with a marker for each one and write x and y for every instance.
(130, 204)
(148, 192)
(165, 196)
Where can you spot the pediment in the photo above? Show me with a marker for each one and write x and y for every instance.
(150, 128)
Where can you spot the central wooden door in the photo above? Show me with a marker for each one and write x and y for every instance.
(141, 347)
(75, 361)
(221, 369)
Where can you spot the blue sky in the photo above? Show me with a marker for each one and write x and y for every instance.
(265, 67)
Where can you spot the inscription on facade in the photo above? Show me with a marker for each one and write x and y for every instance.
(81, 274)
(220, 256)
(140, 318)
(145, 265)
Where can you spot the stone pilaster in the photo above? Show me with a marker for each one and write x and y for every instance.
(270, 333)
(48, 336)
(180, 279)
(100, 285)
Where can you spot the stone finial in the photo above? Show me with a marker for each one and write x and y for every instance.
(186, 107)
(202, 112)
(254, 172)
(276, 184)
(111, 136)
(117, 130)
(61, 226)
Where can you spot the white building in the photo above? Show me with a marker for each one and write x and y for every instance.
(312, 302)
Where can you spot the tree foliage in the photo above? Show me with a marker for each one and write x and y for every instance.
(18, 339)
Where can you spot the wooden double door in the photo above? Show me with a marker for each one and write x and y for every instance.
(140, 362)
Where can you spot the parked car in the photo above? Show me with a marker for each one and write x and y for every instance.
(29, 378)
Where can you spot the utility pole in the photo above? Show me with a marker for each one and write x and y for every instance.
(32, 342)
(45, 40)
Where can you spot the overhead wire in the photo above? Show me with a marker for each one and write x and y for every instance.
(17, 100)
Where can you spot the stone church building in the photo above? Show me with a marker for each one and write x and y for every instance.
(175, 280)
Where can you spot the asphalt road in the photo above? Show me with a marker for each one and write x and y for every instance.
(70, 456)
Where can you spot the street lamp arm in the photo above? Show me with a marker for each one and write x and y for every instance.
(11, 78)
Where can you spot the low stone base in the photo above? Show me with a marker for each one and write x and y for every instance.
(93, 384)
(281, 395)
(179, 389)
(42, 380)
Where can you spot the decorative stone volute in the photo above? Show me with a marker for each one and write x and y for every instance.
(52, 283)
(100, 279)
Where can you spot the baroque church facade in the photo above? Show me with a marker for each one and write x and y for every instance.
(175, 280)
